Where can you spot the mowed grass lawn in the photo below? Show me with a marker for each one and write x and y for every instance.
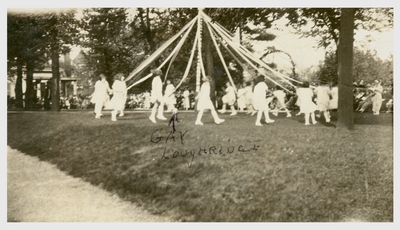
(233, 172)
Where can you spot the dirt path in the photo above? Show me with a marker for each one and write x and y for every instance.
(38, 192)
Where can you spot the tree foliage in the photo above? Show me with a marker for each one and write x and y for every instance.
(324, 23)
(25, 51)
(33, 37)
(117, 40)
(366, 66)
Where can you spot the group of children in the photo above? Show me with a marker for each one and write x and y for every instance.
(101, 98)
(254, 99)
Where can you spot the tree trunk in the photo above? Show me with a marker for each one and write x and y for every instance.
(55, 81)
(209, 63)
(29, 92)
(67, 65)
(19, 96)
(345, 67)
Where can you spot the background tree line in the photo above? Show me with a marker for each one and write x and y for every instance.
(116, 40)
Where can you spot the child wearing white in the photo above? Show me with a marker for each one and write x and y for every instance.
(260, 101)
(169, 96)
(333, 104)
(229, 99)
(100, 95)
(307, 106)
(241, 97)
(323, 93)
(204, 102)
(119, 98)
(280, 96)
(157, 97)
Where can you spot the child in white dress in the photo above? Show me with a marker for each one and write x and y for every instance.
(333, 104)
(229, 99)
(204, 102)
(169, 96)
(260, 101)
(100, 95)
(323, 93)
(307, 106)
(157, 96)
(280, 96)
(119, 98)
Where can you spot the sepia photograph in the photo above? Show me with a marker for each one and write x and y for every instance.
(200, 114)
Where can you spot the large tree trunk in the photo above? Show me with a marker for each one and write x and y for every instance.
(55, 81)
(19, 95)
(209, 63)
(29, 92)
(345, 67)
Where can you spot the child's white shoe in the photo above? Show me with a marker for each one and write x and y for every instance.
(199, 123)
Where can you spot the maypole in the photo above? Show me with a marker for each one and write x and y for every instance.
(199, 58)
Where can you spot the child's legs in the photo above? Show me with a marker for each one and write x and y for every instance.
(154, 109)
(259, 116)
(313, 117)
(97, 108)
(215, 115)
(326, 115)
(307, 118)
(200, 115)
(266, 114)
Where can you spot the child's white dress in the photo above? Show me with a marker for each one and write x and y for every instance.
(259, 94)
(156, 90)
(169, 95)
(204, 101)
(280, 96)
(119, 95)
(230, 97)
(306, 104)
(323, 97)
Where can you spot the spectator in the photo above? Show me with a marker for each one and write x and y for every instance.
(186, 100)
(365, 102)
(377, 97)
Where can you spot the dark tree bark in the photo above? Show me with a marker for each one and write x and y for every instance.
(55, 81)
(29, 92)
(345, 66)
(19, 96)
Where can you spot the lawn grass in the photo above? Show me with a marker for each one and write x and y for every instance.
(282, 172)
